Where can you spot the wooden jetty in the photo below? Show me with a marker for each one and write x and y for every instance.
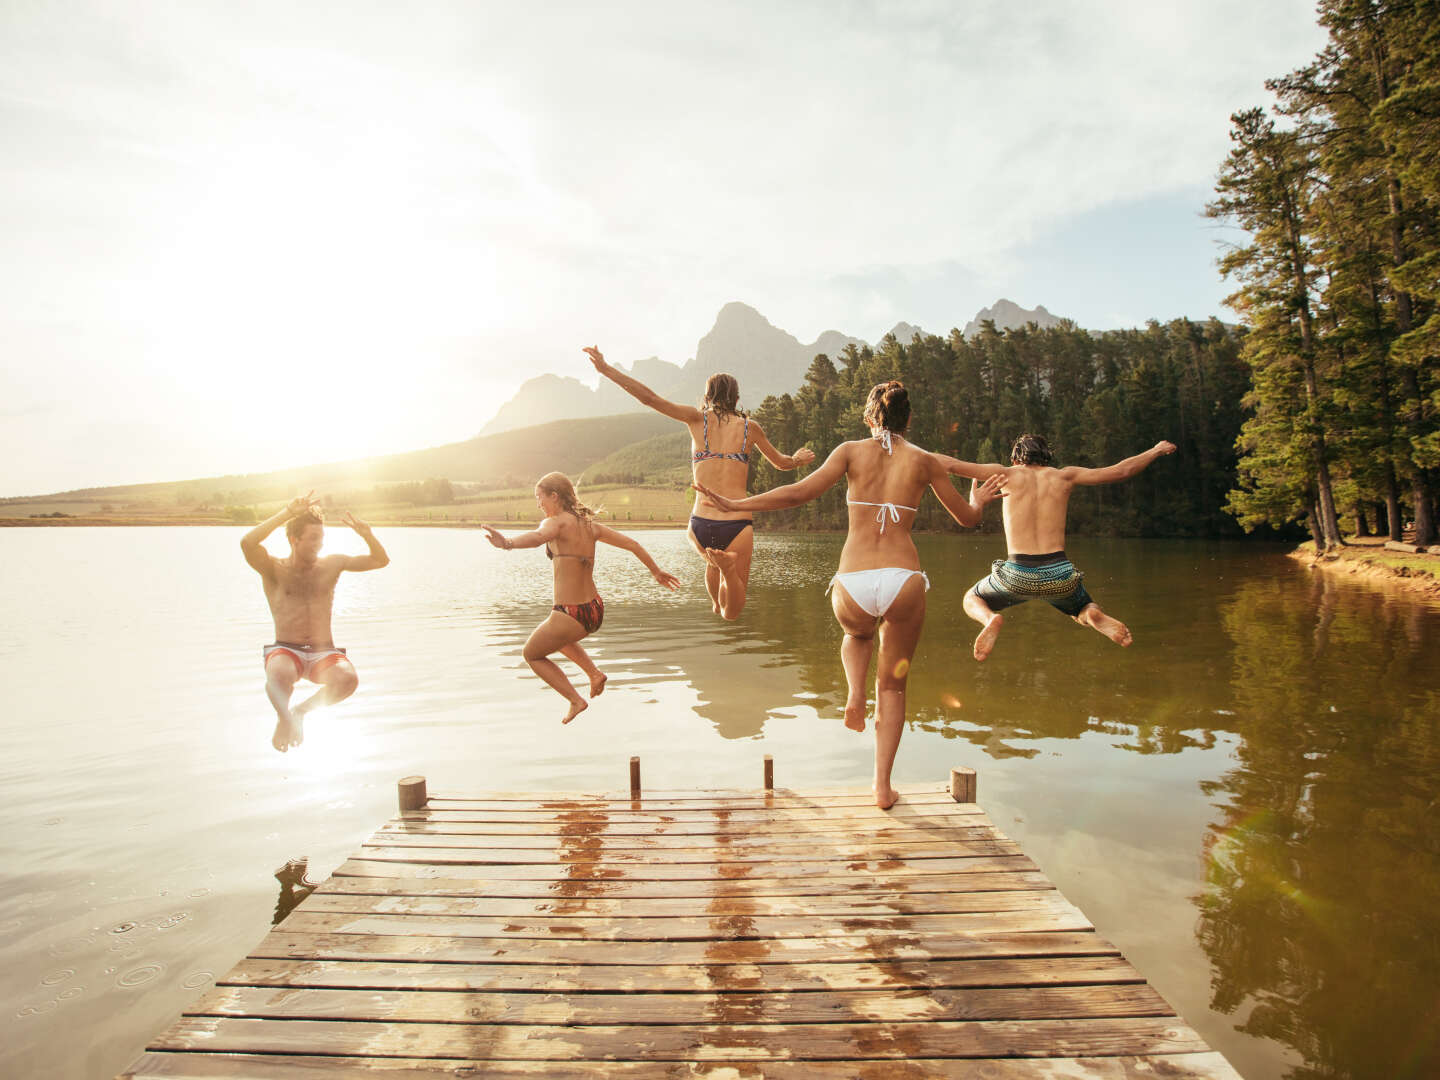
(685, 934)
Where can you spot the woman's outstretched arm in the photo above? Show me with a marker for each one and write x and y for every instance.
(796, 494)
(686, 414)
(783, 462)
(546, 531)
(606, 535)
(966, 512)
(956, 467)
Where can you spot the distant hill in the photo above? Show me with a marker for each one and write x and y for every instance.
(514, 458)
(1008, 315)
(765, 359)
(660, 460)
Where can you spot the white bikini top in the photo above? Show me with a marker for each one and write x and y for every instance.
(885, 507)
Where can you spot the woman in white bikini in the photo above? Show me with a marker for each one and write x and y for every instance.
(879, 586)
(570, 533)
(720, 441)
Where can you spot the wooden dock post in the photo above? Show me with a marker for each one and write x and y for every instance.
(769, 773)
(962, 784)
(412, 793)
(634, 777)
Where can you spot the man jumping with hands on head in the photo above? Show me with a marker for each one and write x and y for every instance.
(301, 591)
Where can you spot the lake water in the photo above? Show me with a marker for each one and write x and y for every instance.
(1245, 801)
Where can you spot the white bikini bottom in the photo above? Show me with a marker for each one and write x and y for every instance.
(875, 590)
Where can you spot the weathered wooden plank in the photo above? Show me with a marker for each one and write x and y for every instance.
(662, 802)
(402, 864)
(209, 1066)
(579, 894)
(279, 945)
(813, 907)
(661, 978)
(476, 825)
(861, 816)
(867, 1006)
(1055, 916)
(442, 835)
(708, 1042)
(411, 849)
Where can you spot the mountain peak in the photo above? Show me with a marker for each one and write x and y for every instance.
(1008, 315)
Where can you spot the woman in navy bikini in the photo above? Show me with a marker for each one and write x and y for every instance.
(720, 441)
(570, 533)
(879, 586)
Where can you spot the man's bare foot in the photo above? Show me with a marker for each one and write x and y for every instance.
(1114, 629)
(577, 706)
(985, 640)
(885, 798)
(289, 731)
(855, 716)
(597, 683)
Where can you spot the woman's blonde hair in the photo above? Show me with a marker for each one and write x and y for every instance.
(557, 483)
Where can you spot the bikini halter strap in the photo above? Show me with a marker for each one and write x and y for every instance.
(884, 437)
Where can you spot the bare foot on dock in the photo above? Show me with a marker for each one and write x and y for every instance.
(985, 640)
(1112, 628)
(577, 706)
(597, 686)
(886, 798)
(855, 715)
(289, 731)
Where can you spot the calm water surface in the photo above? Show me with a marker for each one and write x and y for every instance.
(1245, 801)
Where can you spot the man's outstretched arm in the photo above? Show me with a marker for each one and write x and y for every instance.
(1121, 470)
(251, 544)
(377, 556)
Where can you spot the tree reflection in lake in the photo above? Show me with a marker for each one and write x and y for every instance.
(1324, 868)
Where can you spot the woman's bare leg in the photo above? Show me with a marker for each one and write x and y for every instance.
(899, 634)
(712, 573)
(734, 566)
(856, 649)
(553, 635)
(581, 659)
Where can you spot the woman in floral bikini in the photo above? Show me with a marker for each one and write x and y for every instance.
(569, 533)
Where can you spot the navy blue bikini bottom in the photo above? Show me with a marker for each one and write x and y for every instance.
(717, 534)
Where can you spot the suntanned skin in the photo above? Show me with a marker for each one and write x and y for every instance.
(900, 477)
(574, 584)
(727, 572)
(1037, 499)
(301, 592)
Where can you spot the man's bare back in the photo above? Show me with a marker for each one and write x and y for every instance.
(300, 590)
(1037, 500)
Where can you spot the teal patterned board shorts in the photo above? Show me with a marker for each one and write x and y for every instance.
(1052, 578)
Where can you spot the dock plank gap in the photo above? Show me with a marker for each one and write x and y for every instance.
(721, 934)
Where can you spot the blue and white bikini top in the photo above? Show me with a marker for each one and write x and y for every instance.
(707, 454)
(892, 509)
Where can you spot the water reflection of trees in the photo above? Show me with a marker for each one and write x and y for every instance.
(1323, 871)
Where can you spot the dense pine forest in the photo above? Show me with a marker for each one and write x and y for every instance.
(1323, 410)
(1097, 397)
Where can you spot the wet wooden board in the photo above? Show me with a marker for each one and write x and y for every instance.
(685, 934)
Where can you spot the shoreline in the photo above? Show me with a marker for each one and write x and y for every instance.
(1368, 561)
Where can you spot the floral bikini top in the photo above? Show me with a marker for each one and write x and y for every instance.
(739, 455)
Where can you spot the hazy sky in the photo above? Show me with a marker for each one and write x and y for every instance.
(243, 236)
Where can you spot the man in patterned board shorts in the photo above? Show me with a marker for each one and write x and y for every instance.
(1037, 497)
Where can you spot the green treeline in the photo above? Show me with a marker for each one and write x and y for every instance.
(1098, 398)
(1338, 189)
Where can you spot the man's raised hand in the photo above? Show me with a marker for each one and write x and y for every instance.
(1164, 446)
(355, 523)
(301, 503)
